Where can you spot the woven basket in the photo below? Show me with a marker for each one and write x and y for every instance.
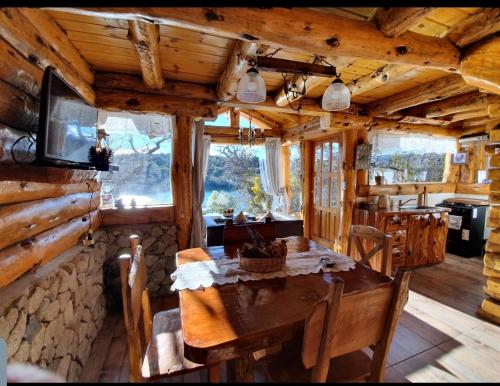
(261, 264)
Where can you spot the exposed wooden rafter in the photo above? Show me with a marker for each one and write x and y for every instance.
(475, 27)
(145, 37)
(395, 21)
(237, 63)
(44, 48)
(325, 34)
(113, 80)
(480, 65)
(377, 78)
(431, 91)
(115, 99)
(262, 119)
(457, 104)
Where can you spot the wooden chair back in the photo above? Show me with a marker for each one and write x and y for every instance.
(136, 306)
(374, 238)
(324, 329)
(237, 234)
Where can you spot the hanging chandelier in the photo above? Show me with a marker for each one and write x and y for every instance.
(252, 135)
(292, 91)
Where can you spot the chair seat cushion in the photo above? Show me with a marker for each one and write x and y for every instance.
(165, 352)
(286, 366)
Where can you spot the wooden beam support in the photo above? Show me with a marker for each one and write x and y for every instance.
(395, 21)
(225, 131)
(377, 78)
(17, 71)
(261, 119)
(113, 80)
(115, 99)
(236, 64)
(302, 29)
(441, 88)
(349, 139)
(234, 117)
(42, 47)
(480, 65)
(457, 104)
(307, 162)
(145, 37)
(182, 179)
(474, 28)
(18, 259)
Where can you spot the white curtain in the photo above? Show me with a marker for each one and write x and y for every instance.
(418, 143)
(271, 174)
(201, 152)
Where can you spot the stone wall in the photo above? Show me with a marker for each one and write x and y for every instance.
(51, 316)
(160, 246)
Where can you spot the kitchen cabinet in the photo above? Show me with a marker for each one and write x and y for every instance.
(419, 236)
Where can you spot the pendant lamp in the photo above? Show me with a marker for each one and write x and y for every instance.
(251, 88)
(336, 97)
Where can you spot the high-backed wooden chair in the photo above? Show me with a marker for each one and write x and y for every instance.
(326, 326)
(237, 234)
(377, 240)
(155, 344)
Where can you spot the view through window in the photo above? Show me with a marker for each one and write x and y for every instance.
(295, 180)
(141, 145)
(233, 180)
(408, 158)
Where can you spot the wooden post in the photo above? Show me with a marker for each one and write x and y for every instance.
(349, 138)
(362, 175)
(234, 117)
(182, 181)
(307, 191)
(285, 156)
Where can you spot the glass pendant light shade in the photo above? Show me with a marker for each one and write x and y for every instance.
(251, 88)
(336, 97)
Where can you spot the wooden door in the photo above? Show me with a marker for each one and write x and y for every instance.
(326, 183)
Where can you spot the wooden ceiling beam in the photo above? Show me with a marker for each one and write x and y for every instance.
(475, 27)
(236, 64)
(46, 45)
(480, 65)
(233, 131)
(307, 30)
(441, 88)
(395, 21)
(377, 78)
(120, 100)
(113, 80)
(270, 64)
(261, 118)
(145, 38)
(457, 104)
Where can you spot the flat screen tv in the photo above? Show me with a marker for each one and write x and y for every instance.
(67, 125)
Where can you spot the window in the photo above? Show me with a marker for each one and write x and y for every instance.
(141, 145)
(408, 158)
(233, 180)
(295, 179)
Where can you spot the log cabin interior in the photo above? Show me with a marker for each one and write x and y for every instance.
(153, 160)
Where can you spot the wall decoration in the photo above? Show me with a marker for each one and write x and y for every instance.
(363, 156)
(460, 158)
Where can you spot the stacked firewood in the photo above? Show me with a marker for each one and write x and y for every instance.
(262, 248)
(490, 307)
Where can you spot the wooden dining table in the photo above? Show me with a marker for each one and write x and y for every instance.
(232, 321)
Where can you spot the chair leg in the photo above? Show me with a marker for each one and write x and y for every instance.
(214, 373)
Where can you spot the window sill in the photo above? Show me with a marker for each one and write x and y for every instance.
(145, 215)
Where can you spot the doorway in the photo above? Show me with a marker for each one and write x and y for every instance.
(326, 183)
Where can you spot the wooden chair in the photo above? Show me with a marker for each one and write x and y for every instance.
(377, 240)
(155, 345)
(237, 234)
(315, 363)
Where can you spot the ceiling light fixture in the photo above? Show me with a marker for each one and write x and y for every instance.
(336, 97)
(251, 88)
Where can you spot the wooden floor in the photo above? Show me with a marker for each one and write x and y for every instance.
(439, 337)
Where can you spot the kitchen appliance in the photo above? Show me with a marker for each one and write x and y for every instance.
(465, 226)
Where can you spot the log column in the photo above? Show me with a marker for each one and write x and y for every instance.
(285, 157)
(307, 187)
(182, 179)
(349, 139)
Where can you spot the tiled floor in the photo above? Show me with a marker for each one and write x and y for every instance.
(439, 337)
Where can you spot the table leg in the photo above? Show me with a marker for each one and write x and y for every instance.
(243, 369)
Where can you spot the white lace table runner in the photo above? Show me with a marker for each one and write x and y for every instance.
(204, 274)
